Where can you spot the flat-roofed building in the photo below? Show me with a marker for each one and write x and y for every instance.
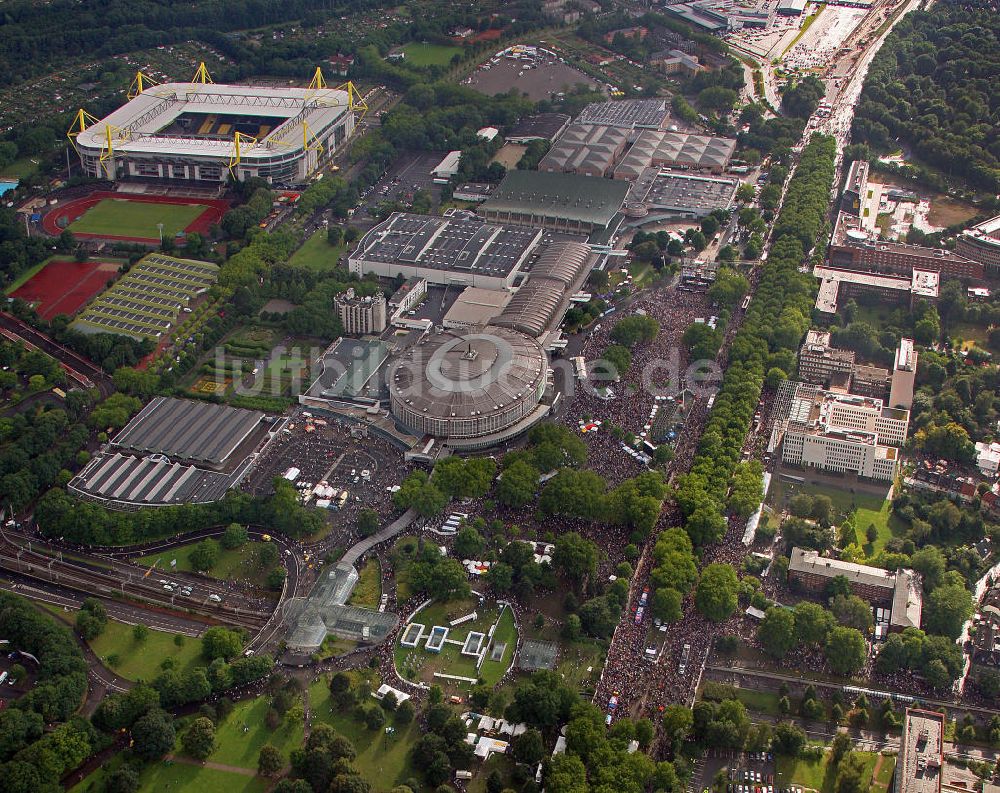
(475, 306)
(843, 433)
(904, 375)
(855, 188)
(921, 753)
(855, 248)
(361, 315)
(626, 113)
(981, 243)
(870, 381)
(899, 591)
(659, 195)
(541, 126)
(558, 201)
(838, 284)
(791, 8)
(444, 250)
(819, 360)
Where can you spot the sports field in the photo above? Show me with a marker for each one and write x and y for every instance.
(136, 218)
(64, 286)
(430, 54)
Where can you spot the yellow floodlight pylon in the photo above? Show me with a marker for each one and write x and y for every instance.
(355, 101)
(201, 75)
(140, 83)
(318, 82)
(236, 157)
(81, 121)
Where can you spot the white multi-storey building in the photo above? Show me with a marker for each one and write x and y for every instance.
(844, 433)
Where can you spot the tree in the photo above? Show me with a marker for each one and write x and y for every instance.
(219, 642)
(852, 611)
(270, 761)
(153, 735)
(235, 536)
(788, 740)
(666, 604)
(404, 712)
(777, 631)
(635, 329)
(500, 577)
(946, 609)
(468, 543)
(812, 624)
(367, 522)
(575, 557)
(930, 562)
(845, 650)
(677, 722)
(717, 593)
(205, 555)
(528, 747)
(517, 484)
(419, 493)
(124, 779)
(198, 739)
(140, 633)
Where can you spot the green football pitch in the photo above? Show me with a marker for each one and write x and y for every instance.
(119, 218)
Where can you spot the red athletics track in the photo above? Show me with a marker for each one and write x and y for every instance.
(215, 209)
(65, 286)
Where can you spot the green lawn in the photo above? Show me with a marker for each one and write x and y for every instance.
(506, 633)
(759, 701)
(430, 54)
(368, 592)
(238, 563)
(383, 760)
(316, 253)
(178, 778)
(18, 169)
(141, 660)
(234, 746)
(815, 774)
(136, 219)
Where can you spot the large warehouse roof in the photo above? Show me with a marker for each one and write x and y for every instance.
(196, 431)
(562, 261)
(626, 113)
(149, 481)
(585, 148)
(136, 125)
(542, 126)
(562, 195)
(459, 244)
(659, 147)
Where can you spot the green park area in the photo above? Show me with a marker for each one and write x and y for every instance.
(317, 254)
(136, 219)
(383, 758)
(817, 774)
(180, 777)
(138, 658)
(18, 169)
(418, 663)
(243, 562)
(239, 737)
(860, 508)
(430, 54)
(368, 591)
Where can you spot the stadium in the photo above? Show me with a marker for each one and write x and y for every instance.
(471, 387)
(201, 132)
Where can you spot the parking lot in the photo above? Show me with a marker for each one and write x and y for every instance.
(539, 79)
(411, 172)
(745, 772)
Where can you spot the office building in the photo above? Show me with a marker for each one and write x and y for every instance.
(819, 361)
(981, 243)
(843, 433)
(361, 315)
(898, 591)
(921, 753)
(904, 375)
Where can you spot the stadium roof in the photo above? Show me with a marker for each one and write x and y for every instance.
(461, 244)
(196, 431)
(568, 196)
(136, 125)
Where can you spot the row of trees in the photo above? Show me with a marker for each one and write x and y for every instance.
(775, 322)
